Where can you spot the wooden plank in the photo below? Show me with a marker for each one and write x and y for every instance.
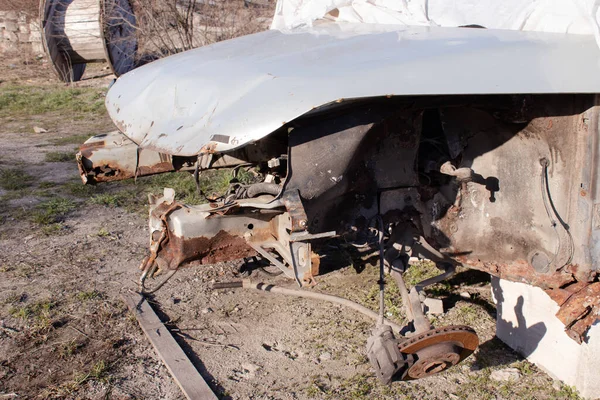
(179, 365)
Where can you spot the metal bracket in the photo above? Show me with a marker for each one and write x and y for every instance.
(293, 204)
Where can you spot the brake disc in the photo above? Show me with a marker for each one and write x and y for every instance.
(438, 349)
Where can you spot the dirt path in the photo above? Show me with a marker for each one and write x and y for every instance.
(68, 251)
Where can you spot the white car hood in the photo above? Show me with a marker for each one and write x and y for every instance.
(223, 96)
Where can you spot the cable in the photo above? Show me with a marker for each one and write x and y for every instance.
(550, 210)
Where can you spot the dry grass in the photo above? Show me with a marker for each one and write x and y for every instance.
(27, 6)
(169, 27)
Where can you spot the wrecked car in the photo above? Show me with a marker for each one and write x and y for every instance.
(464, 146)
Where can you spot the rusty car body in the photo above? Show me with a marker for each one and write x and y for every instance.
(464, 146)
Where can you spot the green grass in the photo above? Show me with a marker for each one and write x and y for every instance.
(34, 100)
(15, 179)
(98, 372)
(122, 198)
(53, 228)
(52, 211)
(357, 387)
(59, 156)
(569, 392)
(419, 272)
(89, 295)
(467, 314)
(78, 189)
(76, 140)
(394, 309)
(103, 232)
(39, 310)
(46, 185)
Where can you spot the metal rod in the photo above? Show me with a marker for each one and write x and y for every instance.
(246, 284)
(381, 273)
(397, 275)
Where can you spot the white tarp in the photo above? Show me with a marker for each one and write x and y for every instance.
(558, 16)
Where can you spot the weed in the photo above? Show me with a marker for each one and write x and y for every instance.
(39, 310)
(526, 368)
(89, 295)
(357, 387)
(569, 392)
(52, 212)
(69, 348)
(6, 268)
(103, 232)
(479, 384)
(59, 156)
(20, 312)
(316, 388)
(14, 179)
(53, 229)
(98, 372)
(16, 194)
(13, 298)
(467, 314)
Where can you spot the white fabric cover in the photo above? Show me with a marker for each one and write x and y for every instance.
(558, 16)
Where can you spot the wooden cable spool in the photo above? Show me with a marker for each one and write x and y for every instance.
(77, 32)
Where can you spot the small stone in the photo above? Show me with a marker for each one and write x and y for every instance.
(505, 375)
(207, 310)
(37, 129)
(252, 368)
(325, 356)
(433, 306)
(465, 295)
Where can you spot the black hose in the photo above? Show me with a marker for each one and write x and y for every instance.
(262, 188)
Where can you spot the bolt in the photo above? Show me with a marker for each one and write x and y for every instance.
(302, 223)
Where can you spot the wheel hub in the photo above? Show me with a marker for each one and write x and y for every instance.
(438, 349)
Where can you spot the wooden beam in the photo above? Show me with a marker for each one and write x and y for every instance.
(179, 365)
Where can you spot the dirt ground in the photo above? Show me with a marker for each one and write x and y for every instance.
(67, 251)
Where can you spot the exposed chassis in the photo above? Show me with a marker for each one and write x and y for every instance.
(515, 172)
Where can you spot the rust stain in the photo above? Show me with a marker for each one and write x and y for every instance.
(209, 148)
(522, 271)
(121, 126)
(219, 248)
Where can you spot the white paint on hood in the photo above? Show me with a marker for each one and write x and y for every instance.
(223, 96)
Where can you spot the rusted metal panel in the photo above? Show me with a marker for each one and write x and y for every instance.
(580, 311)
(112, 156)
